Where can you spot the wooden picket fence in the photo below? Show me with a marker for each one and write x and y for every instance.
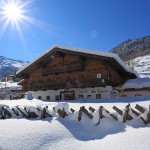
(127, 113)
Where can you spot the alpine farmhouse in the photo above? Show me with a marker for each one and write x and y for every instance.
(64, 73)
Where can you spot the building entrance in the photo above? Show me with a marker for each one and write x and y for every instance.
(67, 95)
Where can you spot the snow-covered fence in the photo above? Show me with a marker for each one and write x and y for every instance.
(63, 110)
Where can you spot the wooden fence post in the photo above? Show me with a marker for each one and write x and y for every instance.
(148, 116)
(100, 114)
(15, 111)
(2, 115)
(91, 109)
(140, 108)
(118, 110)
(7, 114)
(23, 114)
(62, 113)
(126, 115)
(137, 114)
(87, 113)
(31, 114)
(112, 115)
(80, 113)
(72, 110)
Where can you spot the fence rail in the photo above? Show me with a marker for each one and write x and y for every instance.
(127, 113)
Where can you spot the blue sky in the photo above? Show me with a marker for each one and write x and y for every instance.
(89, 24)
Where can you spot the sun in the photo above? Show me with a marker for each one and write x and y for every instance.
(13, 12)
(15, 15)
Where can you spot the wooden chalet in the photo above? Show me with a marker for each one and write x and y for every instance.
(69, 73)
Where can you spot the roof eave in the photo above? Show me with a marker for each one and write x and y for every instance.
(91, 52)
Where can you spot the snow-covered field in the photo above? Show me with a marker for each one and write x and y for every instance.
(68, 133)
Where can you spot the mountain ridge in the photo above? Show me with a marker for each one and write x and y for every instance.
(132, 48)
(9, 66)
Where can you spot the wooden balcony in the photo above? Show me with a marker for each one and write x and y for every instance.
(68, 84)
(92, 82)
(66, 68)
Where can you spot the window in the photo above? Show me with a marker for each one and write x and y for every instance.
(98, 96)
(57, 97)
(48, 97)
(22, 95)
(88, 96)
(81, 97)
(123, 95)
(137, 94)
(39, 97)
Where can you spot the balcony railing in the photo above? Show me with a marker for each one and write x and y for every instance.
(92, 82)
(68, 84)
(66, 68)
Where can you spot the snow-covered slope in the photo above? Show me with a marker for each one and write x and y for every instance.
(9, 66)
(141, 65)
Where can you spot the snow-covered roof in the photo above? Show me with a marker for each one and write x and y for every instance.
(10, 85)
(137, 83)
(85, 51)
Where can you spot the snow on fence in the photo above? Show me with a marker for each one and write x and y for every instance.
(63, 110)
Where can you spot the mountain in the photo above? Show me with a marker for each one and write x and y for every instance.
(133, 48)
(9, 66)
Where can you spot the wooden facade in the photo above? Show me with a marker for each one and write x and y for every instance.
(64, 69)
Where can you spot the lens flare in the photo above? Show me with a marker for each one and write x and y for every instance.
(13, 12)
(16, 14)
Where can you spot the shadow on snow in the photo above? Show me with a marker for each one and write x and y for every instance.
(85, 130)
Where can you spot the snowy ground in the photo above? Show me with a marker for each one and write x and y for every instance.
(68, 133)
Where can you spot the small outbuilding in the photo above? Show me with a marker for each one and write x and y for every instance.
(136, 87)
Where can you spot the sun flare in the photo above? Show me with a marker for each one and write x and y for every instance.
(16, 15)
(13, 12)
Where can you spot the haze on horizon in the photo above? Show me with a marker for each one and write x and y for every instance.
(30, 27)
